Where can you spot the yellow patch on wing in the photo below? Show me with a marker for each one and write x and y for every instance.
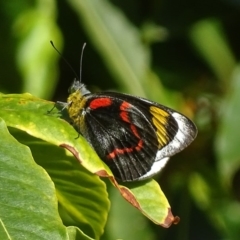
(159, 120)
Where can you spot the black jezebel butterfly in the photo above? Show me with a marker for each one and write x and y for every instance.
(134, 136)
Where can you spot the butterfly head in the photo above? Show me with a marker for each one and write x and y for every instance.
(78, 86)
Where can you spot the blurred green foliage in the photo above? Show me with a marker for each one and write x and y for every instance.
(183, 54)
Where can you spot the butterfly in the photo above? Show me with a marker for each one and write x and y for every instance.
(134, 136)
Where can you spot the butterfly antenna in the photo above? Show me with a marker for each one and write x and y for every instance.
(65, 60)
(81, 60)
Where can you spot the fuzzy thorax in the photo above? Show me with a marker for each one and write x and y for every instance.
(76, 103)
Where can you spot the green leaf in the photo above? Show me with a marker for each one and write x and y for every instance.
(28, 205)
(82, 197)
(121, 216)
(75, 233)
(29, 114)
(148, 197)
(210, 42)
(78, 190)
(227, 139)
(36, 59)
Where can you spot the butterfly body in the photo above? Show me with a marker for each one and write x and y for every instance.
(134, 136)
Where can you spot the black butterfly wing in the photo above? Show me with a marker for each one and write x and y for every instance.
(174, 130)
(130, 134)
(121, 134)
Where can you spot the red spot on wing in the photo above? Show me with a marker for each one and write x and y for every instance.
(124, 106)
(139, 146)
(124, 111)
(134, 130)
(124, 114)
(100, 102)
(118, 151)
